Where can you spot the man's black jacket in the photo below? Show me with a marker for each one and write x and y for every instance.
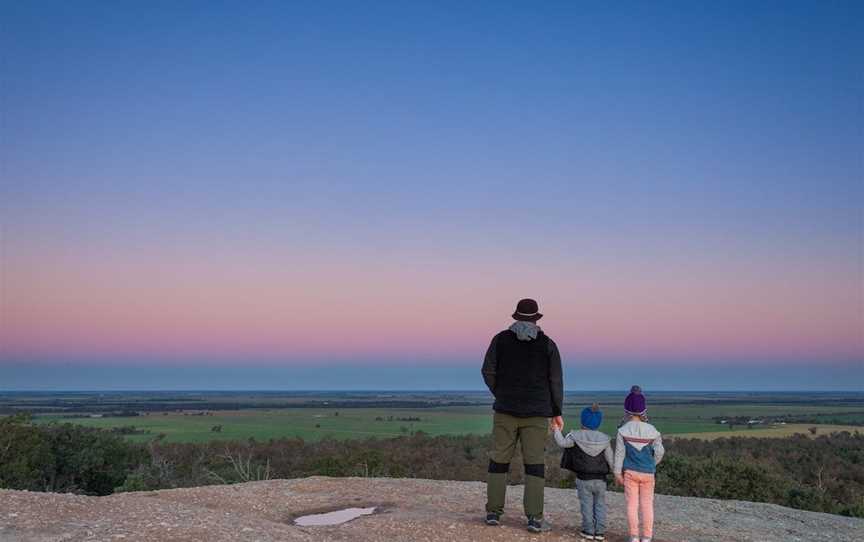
(524, 376)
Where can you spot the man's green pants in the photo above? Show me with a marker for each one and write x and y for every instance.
(531, 434)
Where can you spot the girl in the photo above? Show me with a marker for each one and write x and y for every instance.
(638, 450)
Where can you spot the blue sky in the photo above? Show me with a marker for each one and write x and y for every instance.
(678, 182)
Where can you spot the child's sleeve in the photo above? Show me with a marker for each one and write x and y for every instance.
(564, 442)
(659, 451)
(619, 455)
(607, 453)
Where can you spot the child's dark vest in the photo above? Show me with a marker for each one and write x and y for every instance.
(585, 466)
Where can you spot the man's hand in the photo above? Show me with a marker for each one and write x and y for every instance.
(558, 421)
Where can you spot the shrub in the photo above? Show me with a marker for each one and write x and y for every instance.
(64, 457)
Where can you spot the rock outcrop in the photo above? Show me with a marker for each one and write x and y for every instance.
(406, 510)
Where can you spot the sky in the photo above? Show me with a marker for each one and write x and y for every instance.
(344, 195)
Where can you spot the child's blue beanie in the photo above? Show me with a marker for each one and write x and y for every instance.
(592, 417)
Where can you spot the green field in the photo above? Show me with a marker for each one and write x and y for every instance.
(307, 423)
(316, 423)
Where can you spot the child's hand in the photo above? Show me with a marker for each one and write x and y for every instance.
(619, 479)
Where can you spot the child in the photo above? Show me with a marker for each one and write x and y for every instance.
(591, 460)
(638, 450)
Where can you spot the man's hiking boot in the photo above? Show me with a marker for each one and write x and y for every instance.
(538, 525)
(493, 519)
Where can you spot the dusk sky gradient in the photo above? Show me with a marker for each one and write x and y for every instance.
(354, 195)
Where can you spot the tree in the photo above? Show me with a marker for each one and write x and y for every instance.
(25, 454)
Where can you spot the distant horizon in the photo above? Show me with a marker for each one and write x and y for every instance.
(345, 376)
(439, 391)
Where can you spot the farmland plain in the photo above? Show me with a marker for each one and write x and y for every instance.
(205, 416)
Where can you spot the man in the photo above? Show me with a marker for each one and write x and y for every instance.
(522, 369)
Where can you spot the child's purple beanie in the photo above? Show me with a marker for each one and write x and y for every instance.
(635, 402)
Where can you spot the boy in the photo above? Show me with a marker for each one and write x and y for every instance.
(590, 457)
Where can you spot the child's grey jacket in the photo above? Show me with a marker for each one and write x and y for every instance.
(590, 441)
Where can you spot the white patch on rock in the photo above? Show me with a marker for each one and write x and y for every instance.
(333, 518)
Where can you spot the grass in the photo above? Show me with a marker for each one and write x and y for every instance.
(316, 423)
(307, 423)
(777, 431)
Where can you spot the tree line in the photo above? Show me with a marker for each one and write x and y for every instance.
(824, 474)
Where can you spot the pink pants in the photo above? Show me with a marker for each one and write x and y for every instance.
(639, 492)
